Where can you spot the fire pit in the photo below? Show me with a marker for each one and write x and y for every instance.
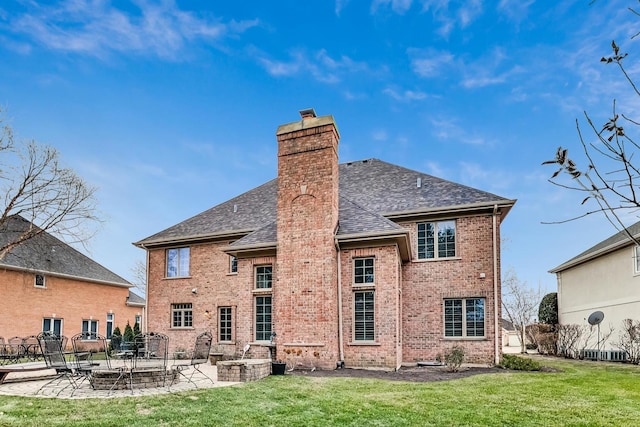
(126, 379)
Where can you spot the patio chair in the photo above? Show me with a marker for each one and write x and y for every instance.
(31, 348)
(15, 350)
(54, 357)
(86, 346)
(199, 356)
(151, 352)
(5, 355)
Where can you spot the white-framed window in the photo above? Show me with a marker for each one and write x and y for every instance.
(364, 271)
(636, 259)
(40, 281)
(437, 239)
(364, 316)
(264, 276)
(178, 262)
(89, 328)
(110, 319)
(225, 324)
(233, 264)
(138, 320)
(263, 317)
(464, 317)
(182, 315)
(52, 325)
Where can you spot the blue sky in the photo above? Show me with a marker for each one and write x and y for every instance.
(171, 107)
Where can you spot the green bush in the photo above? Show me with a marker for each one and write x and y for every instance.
(517, 363)
(548, 309)
(454, 358)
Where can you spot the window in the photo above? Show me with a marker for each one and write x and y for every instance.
(464, 317)
(39, 281)
(233, 264)
(139, 320)
(181, 315)
(110, 317)
(263, 277)
(437, 239)
(636, 260)
(224, 324)
(53, 326)
(178, 262)
(89, 327)
(263, 318)
(363, 271)
(364, 316)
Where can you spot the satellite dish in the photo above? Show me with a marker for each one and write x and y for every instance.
(595, 318)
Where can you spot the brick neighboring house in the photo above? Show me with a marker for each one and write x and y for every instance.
(46, 285)
(362, 264)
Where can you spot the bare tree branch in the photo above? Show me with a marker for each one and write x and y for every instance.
(520, 304)
(35, 186)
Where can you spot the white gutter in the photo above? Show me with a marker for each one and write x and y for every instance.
(340, 323)
(496, 301)
(146, 298)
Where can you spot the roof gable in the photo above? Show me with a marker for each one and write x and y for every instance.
(45, 253)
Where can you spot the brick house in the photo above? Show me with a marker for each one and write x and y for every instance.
(46, 285)
(361, 264)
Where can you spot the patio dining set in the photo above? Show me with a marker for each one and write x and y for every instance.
(141, 363)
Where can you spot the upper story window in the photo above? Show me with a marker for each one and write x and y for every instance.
(264, 276)
(178, 262)
(40, 281)
(233, 264)
(464, 317)
(437, 239)
(363, 271)
(636, 260)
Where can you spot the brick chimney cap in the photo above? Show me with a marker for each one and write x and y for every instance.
(308, 113)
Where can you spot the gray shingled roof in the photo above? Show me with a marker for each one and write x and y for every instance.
(47, 254)
(615, 242)
(135, 299)
(370, 190)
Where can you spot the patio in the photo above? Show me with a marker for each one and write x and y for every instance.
(28, 383)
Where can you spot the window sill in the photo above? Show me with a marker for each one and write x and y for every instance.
(40, 287)
(364, 343)
(235, 273)
(262, 291)
(363, 287)
(465, 339)
(453, 258)
(176, 278)
(180, 328)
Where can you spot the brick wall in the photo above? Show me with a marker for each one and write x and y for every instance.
(427, 282)
(24, 305)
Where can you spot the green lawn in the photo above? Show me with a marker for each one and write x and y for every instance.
(584, 394)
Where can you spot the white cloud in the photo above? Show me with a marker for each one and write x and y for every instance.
(397, 6)
(449, 129)
(319, 65)
(430, 62)
(379, 135)
(406, 95)
(452, 15)
(99, 28)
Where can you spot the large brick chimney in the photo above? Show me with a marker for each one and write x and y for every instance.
(305, 292)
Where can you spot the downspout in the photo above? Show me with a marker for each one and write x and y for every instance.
(340, 324)
(496, 302)
(146, 297)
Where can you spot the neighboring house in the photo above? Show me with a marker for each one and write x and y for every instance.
(603, 278)
(510, 337)
(46, 285)
(363, 264)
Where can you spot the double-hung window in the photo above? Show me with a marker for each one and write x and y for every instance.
(110, 317)
(89, 329)
(181, 315)
(464, 317)
(636, 259)
(437, 239)
(264, 276)
(233, 264)
(225, 324)
(178, 262)
(364, 299)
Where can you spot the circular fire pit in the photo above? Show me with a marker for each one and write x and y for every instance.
(125, 379)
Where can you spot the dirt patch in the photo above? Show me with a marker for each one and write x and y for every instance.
(415, 374)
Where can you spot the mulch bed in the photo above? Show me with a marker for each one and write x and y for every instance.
(415, 374)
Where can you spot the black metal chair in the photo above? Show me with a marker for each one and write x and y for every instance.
(86, 346)
(16, 349)
(54, 357)
(199, 356)
(151, 352)
(31, 348)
